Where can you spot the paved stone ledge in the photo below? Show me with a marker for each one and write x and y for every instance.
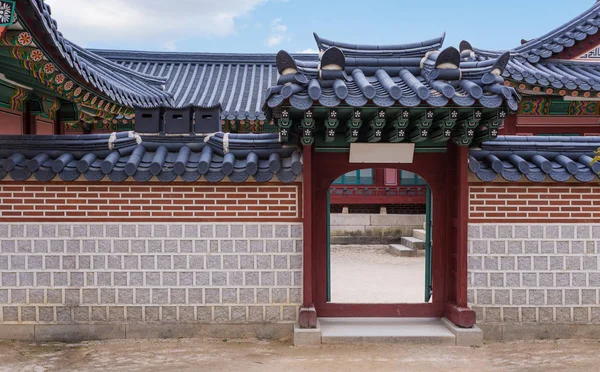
(538, 331)
(91, 332)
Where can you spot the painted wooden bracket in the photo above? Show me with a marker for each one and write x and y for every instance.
(399, 126)
(464, 133)
(443, 126)
(354, 124)
(420, 128)
(308, 125)
(377, 126)
(285, 125)
(331, 124)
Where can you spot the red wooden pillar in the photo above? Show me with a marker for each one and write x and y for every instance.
(59, 128)
(457, 310)
(3, 30)
(510, 126)
(308, 313)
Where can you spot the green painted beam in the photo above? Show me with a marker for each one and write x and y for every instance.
(28, 80)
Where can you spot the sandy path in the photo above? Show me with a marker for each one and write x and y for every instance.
(216, 355)
(368, 274)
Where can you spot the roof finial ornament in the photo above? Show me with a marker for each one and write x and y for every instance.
(466, 50)
(448, 59)
(332, 64)
(285, 63)
(501, 64)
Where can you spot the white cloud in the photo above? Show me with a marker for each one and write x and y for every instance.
(126, 23)
(308, 51)
(279, 33)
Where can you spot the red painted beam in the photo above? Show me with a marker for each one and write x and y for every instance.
(457, 310)
(338, 200)
(581, 125)
(308, 314)
(433, 167)
(378, 195)
(3, 30)
(427, 310)
(462, 225)
(543, 122)
(461, 316)
(509, 127)
(579, 48)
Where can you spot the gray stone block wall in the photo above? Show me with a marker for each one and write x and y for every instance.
(207, 273)
(539, 273)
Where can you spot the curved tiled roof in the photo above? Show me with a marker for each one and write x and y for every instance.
(548, 73)
(536, 158)
(126, 154)
(122, 85)
(235, 82)
(435, 78)
(532, 62)
(559, 74)
(399, 50)
(557, 40)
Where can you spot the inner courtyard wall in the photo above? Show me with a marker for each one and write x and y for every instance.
(533, 260)
(149, 260)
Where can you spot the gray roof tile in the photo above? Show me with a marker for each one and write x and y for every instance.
(120, 84)
(238, 157)
(536, 158)
(436, 78)
(557, 40)
(236, 82)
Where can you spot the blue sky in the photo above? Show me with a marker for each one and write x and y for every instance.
(264, 26)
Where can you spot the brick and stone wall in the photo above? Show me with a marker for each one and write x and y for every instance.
(158, 263)
(153, 201)
(533, 260)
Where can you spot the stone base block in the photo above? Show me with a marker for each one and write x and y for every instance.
(89, 332)
(78, 332)
(539, 331)
(270, 331)
(18, 332)
(307, 337)
(465, 336)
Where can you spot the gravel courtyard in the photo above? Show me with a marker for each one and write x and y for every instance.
(231, 355)
(369, 274)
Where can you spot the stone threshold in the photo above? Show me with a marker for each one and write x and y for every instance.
(425, 331)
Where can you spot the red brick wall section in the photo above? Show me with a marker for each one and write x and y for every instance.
(30, 202)
(534, 203)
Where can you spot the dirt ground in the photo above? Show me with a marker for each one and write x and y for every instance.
(254, 355)
(369, 274)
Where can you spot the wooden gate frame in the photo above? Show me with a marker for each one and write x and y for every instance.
(446, 173)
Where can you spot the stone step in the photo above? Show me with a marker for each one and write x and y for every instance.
(412, 243)
(419, 234)
(430, 331)
(402, 251)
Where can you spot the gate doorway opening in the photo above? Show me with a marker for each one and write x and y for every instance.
(379, 247)
(444, 172)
